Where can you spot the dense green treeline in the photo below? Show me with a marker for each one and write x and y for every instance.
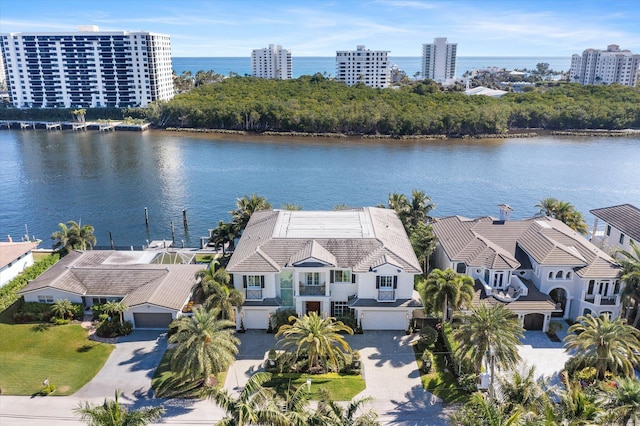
(316, 104)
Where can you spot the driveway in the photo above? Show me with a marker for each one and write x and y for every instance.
(129, 368)
(389, 368)
(548, 357)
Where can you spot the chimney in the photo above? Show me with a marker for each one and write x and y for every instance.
(505, 211)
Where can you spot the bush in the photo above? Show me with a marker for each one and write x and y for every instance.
(47, 390)
(9, 292)
(32, 311)
(428, 336)
(281, 317)
(427, 360)
(348, 320)
(468, 382)
(114, 329)
(60, 321)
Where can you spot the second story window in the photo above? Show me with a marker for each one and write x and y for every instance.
(341, 276)
(386, 282)
(253, 281)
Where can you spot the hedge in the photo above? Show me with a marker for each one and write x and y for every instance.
(9, 292)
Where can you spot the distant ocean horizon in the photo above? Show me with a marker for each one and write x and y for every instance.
(309, 65)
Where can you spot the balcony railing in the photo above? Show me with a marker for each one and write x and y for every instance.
(386, 295)
(609, 300)
(253, 294)
(597, 299)
(313, 290)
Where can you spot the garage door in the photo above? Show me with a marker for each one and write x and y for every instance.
(384, 320)
(533, 321)
(152, 320)
(255, 319)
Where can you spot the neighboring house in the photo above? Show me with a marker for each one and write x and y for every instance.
(621, 225)
(14, 258)
(355, 262)
(538, 267)
(154, 293)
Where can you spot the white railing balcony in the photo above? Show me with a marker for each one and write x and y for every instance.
(253, 294)
(597, 299)
(313, 290)
(513, 292)
(386, 295)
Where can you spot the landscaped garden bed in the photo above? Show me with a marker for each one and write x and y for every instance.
(341, 387)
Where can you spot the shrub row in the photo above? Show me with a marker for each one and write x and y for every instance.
(9, 293)
(35, 311)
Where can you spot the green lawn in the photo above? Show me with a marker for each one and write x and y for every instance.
(30, 353)
(440, 383)
(340, 387)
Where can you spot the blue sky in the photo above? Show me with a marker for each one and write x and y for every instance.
(319, 28)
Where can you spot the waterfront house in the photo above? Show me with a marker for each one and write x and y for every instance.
(14, 258)
(538, 267)
(356, 262)
(620, 226)
(154, 293)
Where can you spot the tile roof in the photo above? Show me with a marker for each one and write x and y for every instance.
(624, 217)
(11, 251)
(274, 239)
(486, 242)
(88, 273)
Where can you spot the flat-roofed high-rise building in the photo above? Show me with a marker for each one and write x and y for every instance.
(370, 67)
(271, 62)
(439, 60)
(88, 68)
(605, 66)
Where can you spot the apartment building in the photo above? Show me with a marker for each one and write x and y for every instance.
(605, 66)
(89, 68)
(371, 67)
(439, 60)
(272, 62)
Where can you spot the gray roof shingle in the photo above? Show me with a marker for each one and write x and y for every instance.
(624, 217)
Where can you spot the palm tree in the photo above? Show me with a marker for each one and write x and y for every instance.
(564, 212)
(224, 299)
(547, 206)
(447, 289)
(247, 206)
(254, 405)
(211, 278)
(424, 242)
(630, 275)
(575, 406)
(224, 234)
(291, 207)
(490, 334)
(111, 413)
(623, 402)
(330, 413)
(419, 208)
(400, 204)
(73, 236)
(605, 344)
(62, 308)
(62, 239)
(206, 345)
(320, 337)
(480, 411)
(522, 391)
(113, 308)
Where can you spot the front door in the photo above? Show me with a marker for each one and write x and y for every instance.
(312, 307)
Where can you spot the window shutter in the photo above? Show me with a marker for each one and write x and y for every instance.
(331, 276)
(377, 282)
(262, 281)
(231, 280)
(353, 278)
(395, 282)
(244, 281)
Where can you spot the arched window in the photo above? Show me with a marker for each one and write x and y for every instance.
(568, 276)
(559, 275)
(550, 275)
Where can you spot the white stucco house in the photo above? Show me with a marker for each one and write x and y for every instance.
(14, 258)
(154, 293)
(355, 262)
(616, 227)
(538, 267)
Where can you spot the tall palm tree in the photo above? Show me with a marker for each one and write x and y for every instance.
(400, 204)
(419, 208)
(447, 289)
(521, 390)
(224, 299)
(630, 275)
(62, 308)
(206, 345)
(547, 206)
(223, 236)
(247, 206)
(62, 239)
(623, 402)
(605, 344)
(254, 405)
(489, 334)
(111, 413)
(330, 413)
(564, 212)
(424, 242)
(211, 278)
(84, 239)
(320, 336)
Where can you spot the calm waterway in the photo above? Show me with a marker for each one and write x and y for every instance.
(107, 179)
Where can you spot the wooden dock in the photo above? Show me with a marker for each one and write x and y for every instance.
(75, 126)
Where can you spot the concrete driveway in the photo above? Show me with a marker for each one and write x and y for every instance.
(129, 368)
(548, 357)
(389, 368)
